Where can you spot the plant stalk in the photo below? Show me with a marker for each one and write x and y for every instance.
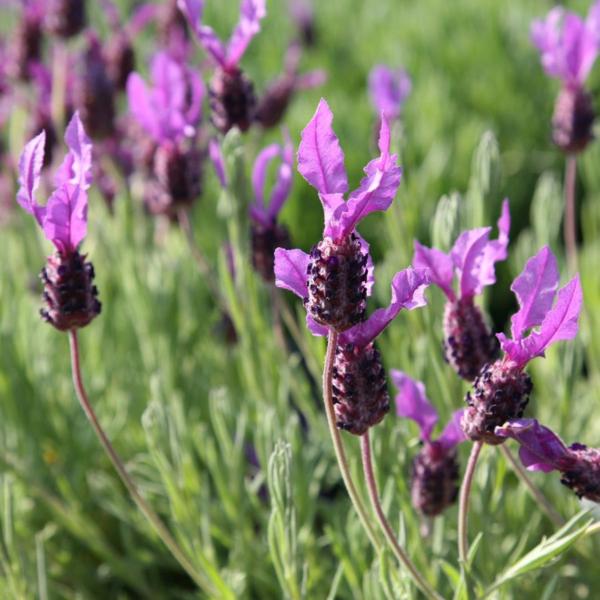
(401, 555)
(463, 505)
(570, 220)
(148, 512)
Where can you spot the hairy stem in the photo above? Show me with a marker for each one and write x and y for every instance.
(463, 504)
(570, 221)
(542, 501)
(337, 441)
(148, 512)
(401, 555)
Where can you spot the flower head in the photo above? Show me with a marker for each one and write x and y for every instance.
(542, 450)
(64, 218)
(435, 468)
(227, 56)
(388, 89)
(536, 292)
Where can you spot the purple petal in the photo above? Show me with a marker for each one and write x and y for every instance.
(320, 158)
(375, 192)
(388, 89)
(290, 270)
(283, 184)
(541, 449)
(259, 171)
(30, 167)
(535, 288)
(80, 148)
(216, 157)
(560, 323)
(140, 105)
(408, 291)
(453, 433)
(468, 254)
(251, 13)
(496, 250)
(412, 403)
(316, 328)
(440, 265)
(310, 80)
(193, 10)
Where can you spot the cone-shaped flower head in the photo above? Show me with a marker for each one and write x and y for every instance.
(468, 343)
(388, 89)
(266, 233)
(501, 391)
(434, 480)
(568, 47)
(542, 450)
(69, 295)
(232, 96)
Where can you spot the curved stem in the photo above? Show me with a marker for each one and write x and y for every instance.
(595, 528)
(337, 441)
(542, 501)
(570, 221)
(463, 505)
(403, 558)
(148, 512)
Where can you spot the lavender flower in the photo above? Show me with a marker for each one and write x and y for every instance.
(118, 52)
(65, 18)
(26, 43)
(232, 94)
(266, 234)
(468, 343)
(69, 294)
(169, 112)
(568, 47)
(501, 391)
(303, 14)
(542, 450)
(388, 89)
(435, 469)
(336, 278)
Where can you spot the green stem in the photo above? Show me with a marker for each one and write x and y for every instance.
(148, 512)
(337, 441)
(401, 555)
(463, 505)
(570, 221)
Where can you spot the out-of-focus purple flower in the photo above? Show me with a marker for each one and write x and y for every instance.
(275, 100)
(64, 218)
(266, 234)
(218, 162)
(501, 391)
(542, 450)
(25, 46)
(435, 469)
(65, 18)
(568, 47)
(388, 89)
(303, 14)
(70, 298)
(468, 343)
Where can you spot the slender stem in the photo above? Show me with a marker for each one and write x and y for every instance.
(403, 558)
(463, 505)
(148, 512)
(337, 441)
(595, 528)
(542, 501)
(277, 328)
(570, 221)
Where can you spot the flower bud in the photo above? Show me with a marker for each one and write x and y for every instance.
(584, 476)
(232, 100)
(275, 101)
(360, 394)
(70, 298)
(572, 120)
(120, 59)
(264, 240)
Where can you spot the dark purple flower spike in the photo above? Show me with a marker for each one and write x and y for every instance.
(266, 234)
(118, 51)
(65, 18)
(275, 100)
(434, 479)
(169, 112)
(501, 391)
(388, 89)
(233, 103)
(468, 343)
(70, 297)
(303, 14)
(542, 450)
(25, 45)
(568, 47)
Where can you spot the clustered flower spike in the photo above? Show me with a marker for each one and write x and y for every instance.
(468, 343)
(266, 234)
(434, 478)
(388, 89)
(69, 296)
(501, 391)
(336, 278)
(569, 46)
(232, 95)
(542, 450)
